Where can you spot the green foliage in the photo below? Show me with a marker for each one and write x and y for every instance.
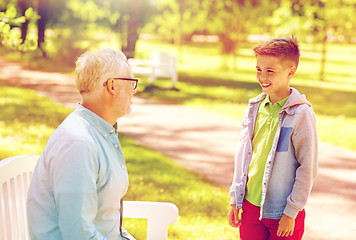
(313, 20)
(10, 33)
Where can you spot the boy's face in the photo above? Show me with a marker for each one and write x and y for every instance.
(274, 76)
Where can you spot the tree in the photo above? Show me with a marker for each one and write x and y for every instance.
(8, 20)
(129, 23)
(233, 21)
(24, 5)
(320, 20)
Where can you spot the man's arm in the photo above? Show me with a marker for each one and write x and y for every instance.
(127, 235)
(74, 176)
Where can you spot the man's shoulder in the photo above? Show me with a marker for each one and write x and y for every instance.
(73, 129)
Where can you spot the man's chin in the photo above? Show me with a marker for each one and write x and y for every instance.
(128, 111)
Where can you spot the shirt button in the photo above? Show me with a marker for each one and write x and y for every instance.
(123, 166)
(105, 135)
(112, 131)
(116, 145)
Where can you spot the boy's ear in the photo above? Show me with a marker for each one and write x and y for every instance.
(292, 71)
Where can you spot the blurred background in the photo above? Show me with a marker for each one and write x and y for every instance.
(211, 42)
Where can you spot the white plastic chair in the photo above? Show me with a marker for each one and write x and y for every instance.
(161, 64)
(15, 177)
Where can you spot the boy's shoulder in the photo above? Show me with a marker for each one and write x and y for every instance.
(257, 99)
(296, 99)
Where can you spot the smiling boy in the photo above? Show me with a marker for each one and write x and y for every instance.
(276, 160)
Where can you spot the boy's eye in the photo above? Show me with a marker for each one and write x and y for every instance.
(270, 71)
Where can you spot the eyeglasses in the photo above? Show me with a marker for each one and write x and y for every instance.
(133, 81)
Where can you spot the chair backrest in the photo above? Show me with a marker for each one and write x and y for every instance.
(158, 214)
(164, 65)
(163, 61)
(15, 177)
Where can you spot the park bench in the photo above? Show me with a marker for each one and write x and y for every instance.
(15, 177)
(160, 65)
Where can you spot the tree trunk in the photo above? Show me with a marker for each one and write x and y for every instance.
(43, 9)
(23, 5)
(323, 60)
(228, 48)
(324, 30)
(129, 44)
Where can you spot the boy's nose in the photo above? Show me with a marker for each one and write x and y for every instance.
(263, 76)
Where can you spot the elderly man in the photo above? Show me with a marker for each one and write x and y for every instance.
(81, 175)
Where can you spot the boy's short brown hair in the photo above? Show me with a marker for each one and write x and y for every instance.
(287, 48)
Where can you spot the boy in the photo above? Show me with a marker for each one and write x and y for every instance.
(276, 161)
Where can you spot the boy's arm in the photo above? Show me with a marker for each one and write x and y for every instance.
(234, 219)
(305, 143)
(286, 226)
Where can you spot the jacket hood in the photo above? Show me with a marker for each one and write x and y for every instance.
(296, 98)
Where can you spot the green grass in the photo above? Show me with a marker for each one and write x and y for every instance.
(205, 84)
(202, 205)
(28, 120)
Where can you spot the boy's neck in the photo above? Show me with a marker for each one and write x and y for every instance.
(274, 98)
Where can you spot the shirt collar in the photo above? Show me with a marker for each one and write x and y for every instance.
(281, 103)
(97, 122)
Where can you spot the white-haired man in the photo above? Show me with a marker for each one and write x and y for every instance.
(81, 175)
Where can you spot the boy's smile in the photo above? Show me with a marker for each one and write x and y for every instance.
(274, 77)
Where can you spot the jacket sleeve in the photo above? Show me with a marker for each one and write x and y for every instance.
(305, 142)
(243, 148)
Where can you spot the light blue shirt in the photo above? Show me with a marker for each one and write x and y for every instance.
(78, 182)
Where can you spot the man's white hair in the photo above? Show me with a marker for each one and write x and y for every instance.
(94, 68)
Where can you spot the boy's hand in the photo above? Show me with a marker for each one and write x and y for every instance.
(286, 226)
(233, 215)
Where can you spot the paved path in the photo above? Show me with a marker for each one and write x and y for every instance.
(206, 142)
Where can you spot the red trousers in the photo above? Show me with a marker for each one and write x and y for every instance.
(266, 229)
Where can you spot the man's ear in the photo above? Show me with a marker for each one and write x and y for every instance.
(110, 87)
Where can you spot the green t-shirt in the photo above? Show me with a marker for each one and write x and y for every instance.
(265, 130)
